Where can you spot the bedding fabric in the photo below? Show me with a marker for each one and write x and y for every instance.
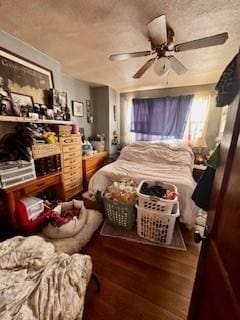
(153, 161)
(37, 283)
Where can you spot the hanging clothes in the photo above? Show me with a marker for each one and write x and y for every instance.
(202, 193)
(229, 83)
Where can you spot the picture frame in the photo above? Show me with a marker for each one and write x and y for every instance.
(23, 76)
(22, 104)
(89, 111)
(77, 108)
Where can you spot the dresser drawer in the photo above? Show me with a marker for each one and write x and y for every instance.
(94, 164)
(72, 192)
(70, 140)
(71, 148)
(73, 168)
(38, 186)
(71, 155)
(71, 185)
(72, 174)
(72, 180)
(72, 162)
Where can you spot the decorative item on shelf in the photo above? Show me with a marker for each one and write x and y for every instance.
(199, 148)
(22, 104)
(115, 138)
(115, 112)
(77, 108)
(89, 111)
(5, 103)
(43, 112)
(75, 129)
(23, 76)
(50, 114)
(58, 114)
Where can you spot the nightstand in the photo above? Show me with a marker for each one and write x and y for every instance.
(91, 164)
(198, 170)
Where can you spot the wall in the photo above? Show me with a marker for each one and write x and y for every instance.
(77, 90)
(23, 49)
(114, 125)
(100, 98)
(214, 113)
(104, 98)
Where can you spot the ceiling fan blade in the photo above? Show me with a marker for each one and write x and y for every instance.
(144, 68)
(176, 65)
(125, 56)
(203, 42)
(158, 30)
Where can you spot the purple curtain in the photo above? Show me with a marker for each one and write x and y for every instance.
(160, 118)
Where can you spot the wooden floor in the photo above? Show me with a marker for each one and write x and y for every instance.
(140, 282)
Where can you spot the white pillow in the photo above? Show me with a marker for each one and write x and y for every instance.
(70, 228)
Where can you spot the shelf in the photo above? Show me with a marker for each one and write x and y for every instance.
(30, 120)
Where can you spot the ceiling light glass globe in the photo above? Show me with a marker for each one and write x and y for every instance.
(162, 66)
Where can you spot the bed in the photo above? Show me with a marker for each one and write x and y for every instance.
(153, 161)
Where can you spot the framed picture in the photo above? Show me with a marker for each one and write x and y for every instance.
(89, 111)
(23, 76)
(77, 108)
(22, 104)
(5, 104)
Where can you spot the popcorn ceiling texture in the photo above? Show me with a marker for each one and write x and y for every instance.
(82, 34)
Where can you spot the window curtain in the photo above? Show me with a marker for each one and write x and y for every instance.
(160, 118)
(196, 128)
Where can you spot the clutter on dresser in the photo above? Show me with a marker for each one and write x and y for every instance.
(119, 204)
(157, 211)
(98, 142)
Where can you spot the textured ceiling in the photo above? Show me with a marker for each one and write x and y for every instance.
(81, 34)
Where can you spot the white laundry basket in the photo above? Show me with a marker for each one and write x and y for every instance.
(156, 226)
(156, 216)
(156, 203)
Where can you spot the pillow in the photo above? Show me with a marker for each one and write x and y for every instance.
(70, 228)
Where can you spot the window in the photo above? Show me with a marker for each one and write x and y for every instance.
(196, 125)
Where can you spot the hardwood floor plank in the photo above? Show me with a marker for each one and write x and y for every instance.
(140, 282)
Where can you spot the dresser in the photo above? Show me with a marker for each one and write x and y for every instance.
(71, 156)
(91, 164)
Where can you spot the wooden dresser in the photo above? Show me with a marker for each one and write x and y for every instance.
(91, 164)
(71, 154)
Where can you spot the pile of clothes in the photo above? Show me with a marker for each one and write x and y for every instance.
(124, 191)
(157, 190)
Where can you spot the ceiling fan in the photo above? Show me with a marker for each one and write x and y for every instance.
(161, 37)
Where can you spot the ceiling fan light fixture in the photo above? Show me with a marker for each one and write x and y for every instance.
(162, 66)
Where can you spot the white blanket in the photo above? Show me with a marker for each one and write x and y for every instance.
(36, 283)
(156, 161)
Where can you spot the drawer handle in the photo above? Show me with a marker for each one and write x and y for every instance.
(40, 184)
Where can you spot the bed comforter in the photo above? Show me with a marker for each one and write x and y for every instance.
(37, 283)
(156, 161)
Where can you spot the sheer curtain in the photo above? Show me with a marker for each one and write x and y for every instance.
(196, 124)
(198, 119)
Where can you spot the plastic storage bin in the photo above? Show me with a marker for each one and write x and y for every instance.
(120, 214)
(155, 203)
(34, 206)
